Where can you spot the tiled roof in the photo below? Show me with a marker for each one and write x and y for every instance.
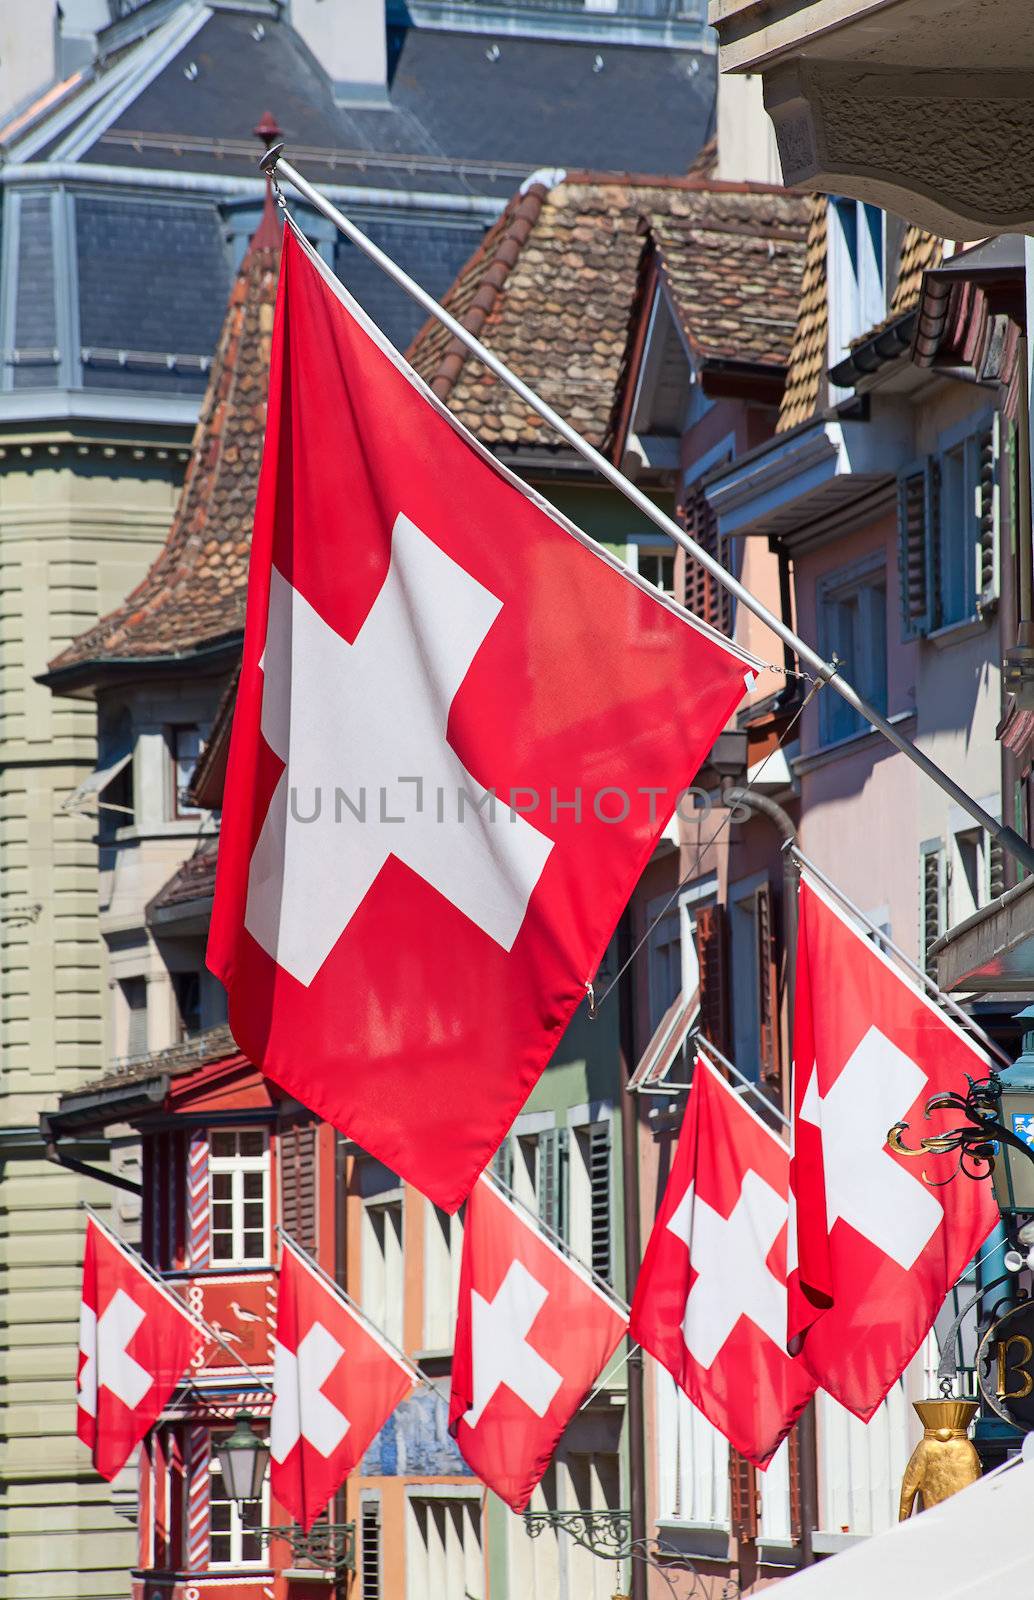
(735, 289)
(805, 375)
(217, 1044)
(194, 880)
(552, 290)
(193, 596)
(919, 252)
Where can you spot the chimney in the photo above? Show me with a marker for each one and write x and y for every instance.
(349, 40)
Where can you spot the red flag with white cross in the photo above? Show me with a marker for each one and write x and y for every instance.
(533, 1333)
(710, 1299)
(460, 729)
(335, 1384)
(135, 1342)
(877, 1239)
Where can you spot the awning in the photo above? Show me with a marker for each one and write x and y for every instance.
(975, 1546)
(98, 780)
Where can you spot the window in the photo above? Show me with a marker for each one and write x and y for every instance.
(948, 531)
(743, 938)
(233, 1540)
(443, 1249)
(664, 957)
(370, 1548)
(657, 566)
(774, 1487)
(184, 749)
(852, 607)
(693, 1460)
(381, 1258)
(856, 272)
(186, 986)
(933, 898)
(133, 1032)
(539, 1160)
(444, 1554)
(589, 1197)
(238, 1171)
(861, 1464)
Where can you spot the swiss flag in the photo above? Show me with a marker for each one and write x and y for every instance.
(533, 1333)
(710, 1300)
(335, 1384)
(460, 729)
(135, 1343)
(877, 1244)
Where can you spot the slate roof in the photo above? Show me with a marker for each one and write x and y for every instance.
(552, 289)
(194, 593)
(466, 118)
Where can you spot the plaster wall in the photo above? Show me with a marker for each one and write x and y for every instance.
(78, 527)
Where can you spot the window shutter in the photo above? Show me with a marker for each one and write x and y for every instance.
(370, 1549)
(987, 452)
(298, 1182)
(712, 953)
(918, 510)
(995, 869)
(793, 1446)
(552, 1145)
(743, 1497)
(599, 1197)
(933, 888)
(704, 596)
(768, 987)
(502, 1164)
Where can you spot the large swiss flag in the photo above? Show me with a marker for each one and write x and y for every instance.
(533, 1333)
(335, 1384)
(710, 1299)
(135, 1343)
(403, 950)
(877, 1239)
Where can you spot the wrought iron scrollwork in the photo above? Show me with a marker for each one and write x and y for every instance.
(976, 1141)
(608, 1536)
(329, 1546)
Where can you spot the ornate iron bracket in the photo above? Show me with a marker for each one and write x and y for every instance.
(975, 1141)
(327, 1545)
(607, 1534)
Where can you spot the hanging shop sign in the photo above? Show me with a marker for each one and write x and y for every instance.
(1005, 1366)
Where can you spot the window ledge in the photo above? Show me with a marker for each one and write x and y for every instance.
(846, 747)
(828, 1544)
(170, 828)
(700, 1541)
(958, 632)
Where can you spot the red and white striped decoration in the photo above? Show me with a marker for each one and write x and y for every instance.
(199, 1490)
(199, 1222)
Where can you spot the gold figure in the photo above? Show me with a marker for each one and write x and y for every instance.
(945, 1459)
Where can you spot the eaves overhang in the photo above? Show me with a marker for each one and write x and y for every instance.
(99, 1108)
(869, 355)
(811, 473)
(80, 679)
(992, 951)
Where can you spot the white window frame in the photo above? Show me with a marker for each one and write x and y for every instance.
(865, 579)
(181, 809)
(237, 1166)
(648, 544)
(666, 926)
(857, 281)
(381, 1266)
(443, 1254)
(237, 1529)
(691, 1455)
(425, 1575)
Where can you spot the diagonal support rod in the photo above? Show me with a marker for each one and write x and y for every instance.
(275, 166)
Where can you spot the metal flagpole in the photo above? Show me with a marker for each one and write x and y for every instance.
(181, 1305)
(274, 164)
(924, 978)
(410, 1366)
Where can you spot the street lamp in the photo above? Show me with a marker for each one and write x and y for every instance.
(243, 1458)
(1013, 1176)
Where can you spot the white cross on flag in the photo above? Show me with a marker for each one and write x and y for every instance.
(878, 1239)
(710, 1299)
(335, 1384)
(460, 729)
(533, 1333)
(135, 1342)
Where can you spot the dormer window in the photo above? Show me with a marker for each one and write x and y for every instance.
(184, 749)
(856, 273)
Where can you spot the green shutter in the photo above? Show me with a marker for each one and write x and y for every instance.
(552, 1149)
(987, 455)
(918, 508)
(502, 1164)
